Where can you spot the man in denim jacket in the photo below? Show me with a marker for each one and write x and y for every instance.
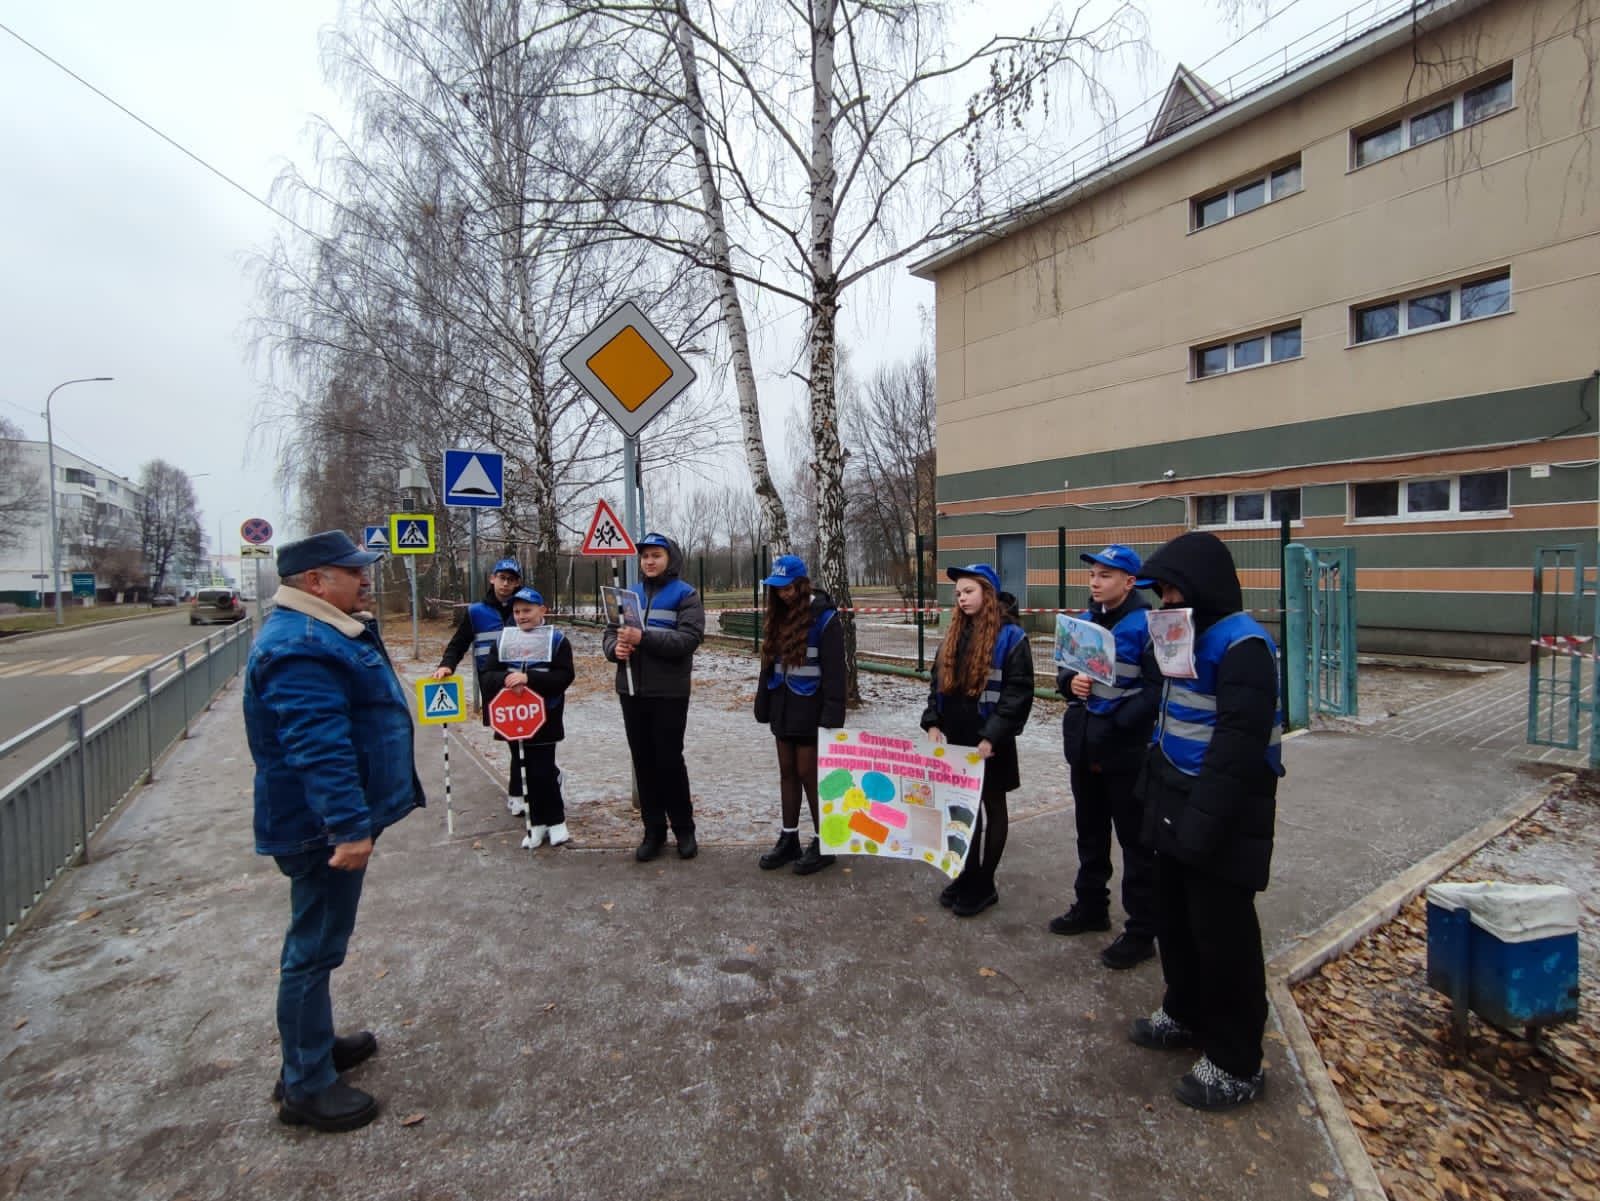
(330, 731)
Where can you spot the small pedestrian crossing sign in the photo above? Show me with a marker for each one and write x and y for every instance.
(411, 533)
(440, 701)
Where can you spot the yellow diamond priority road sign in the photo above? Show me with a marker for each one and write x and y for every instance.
(628, 367)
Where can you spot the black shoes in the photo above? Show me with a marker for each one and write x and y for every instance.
(1129, 950)
(1206, 1086)
(688, 848)
(786, 850)
(972, 901)
(1079, 920)
(1161, 1032)
(649, 848)
(951, 892)
(348, 1051)
(336, 1108)
(813, 860)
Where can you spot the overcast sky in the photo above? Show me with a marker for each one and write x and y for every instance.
(120, 257)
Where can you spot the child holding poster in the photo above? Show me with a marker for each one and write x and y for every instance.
(980, 696)
(535, 656)
(801, 687)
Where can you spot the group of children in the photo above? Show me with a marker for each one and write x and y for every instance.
(1184, 771)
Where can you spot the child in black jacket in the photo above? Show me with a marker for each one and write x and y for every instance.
(802, 687)
(980, 696)
(534, 773)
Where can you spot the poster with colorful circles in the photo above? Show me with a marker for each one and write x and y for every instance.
(897, 798)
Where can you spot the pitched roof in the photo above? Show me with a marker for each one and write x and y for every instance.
(1188, 99)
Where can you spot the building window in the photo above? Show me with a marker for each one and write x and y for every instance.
(1472, 495)
(1439, 116)
(1448, 305)
(1254, 192)
(1253, 350)
(77, 475)
(1233, 510)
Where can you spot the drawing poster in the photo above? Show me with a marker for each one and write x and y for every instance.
(1172, 640)
(1086, 648)
(623, 607)
(525, 646)
(899, 798)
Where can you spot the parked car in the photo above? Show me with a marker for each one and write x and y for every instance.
(163, 600)
(215, 605)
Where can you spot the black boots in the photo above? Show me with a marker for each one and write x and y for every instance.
(650, 847)
(786, 850)
(813, 860)
(1079, 920)
(335, 1109)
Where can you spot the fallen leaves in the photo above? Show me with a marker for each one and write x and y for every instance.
(987, 972)
(88, 914)
(414, 1119)
(1318, 1189)
(20, 1023)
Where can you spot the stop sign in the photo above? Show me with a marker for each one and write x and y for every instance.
(516, 713)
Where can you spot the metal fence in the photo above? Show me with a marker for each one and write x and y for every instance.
(79, 763)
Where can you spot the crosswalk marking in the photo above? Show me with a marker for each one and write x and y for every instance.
(60, 668)
(17, 669)
(100, 665)
(92, 665)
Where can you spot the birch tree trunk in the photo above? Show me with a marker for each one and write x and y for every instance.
(822, 345)
(744, 375)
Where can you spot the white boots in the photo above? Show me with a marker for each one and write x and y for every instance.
(535, 838)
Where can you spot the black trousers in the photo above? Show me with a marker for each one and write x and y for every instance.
(1103, 801)
(1211, 958)
(535, 776)
(655, 726)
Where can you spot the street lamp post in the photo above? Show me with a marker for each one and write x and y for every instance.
(50, 451)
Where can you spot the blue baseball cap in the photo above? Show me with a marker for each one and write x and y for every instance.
(982, 570)
(331, 548)
(654, 539)
(530, 595)
(1120, 558)
(510, 565)
(786, 569)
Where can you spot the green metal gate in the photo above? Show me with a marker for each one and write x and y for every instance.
(1320, 631)
(1563, 674)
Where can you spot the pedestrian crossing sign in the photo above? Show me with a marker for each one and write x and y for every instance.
(440, 701)
(411, 533)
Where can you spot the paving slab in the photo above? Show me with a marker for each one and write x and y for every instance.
(572, 1024)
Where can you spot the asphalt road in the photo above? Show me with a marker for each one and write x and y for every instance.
(41, 676)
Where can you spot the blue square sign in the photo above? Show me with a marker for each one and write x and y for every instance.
(474, 479)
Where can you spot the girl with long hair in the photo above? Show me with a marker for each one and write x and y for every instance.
(980, 696)
(801, 687)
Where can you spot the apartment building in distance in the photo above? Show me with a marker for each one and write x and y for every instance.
(1365, 294)
(97, 512)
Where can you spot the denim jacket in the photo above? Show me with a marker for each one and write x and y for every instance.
(329, 728)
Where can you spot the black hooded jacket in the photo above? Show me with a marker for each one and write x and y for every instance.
(1221, 821)
(1115, 741)
(663, 664)
(793, 716)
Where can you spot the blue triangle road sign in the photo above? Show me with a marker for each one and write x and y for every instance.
(474, 479)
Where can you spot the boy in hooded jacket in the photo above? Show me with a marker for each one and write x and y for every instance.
(659, 662)
(1209, 788)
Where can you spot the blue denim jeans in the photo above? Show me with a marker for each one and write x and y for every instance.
(322, 914)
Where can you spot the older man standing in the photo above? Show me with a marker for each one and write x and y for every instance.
(330, 731)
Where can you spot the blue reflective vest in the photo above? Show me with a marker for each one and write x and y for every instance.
(1133, 635)
(1189, 707)
(661, 608)
(523, 665)
(806, 679)
(1007, 638)
(486, 626)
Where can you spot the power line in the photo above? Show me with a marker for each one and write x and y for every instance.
(173, 142)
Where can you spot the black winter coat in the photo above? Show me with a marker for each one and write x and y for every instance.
(549, 680)
(1221, 821)
(962, 724)
(794, 716)
(460, 644)
(1116, 741)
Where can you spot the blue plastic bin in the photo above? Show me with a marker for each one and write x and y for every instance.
(1509, 952)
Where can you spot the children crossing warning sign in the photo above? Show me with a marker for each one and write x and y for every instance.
(607, 535)
(411, 533)
(440, 701)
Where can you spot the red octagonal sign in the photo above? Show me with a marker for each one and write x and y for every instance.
(516, 713)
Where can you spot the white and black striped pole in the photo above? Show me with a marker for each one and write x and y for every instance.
(449, 809)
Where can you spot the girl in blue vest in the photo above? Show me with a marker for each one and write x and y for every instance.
(477, 630)
(801, 687)
(980, 696)
(1209, 789)
(655, 707)
(535, 778)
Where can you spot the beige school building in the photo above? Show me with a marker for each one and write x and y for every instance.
(1364, 294)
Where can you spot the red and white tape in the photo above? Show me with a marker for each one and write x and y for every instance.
(1568, 645)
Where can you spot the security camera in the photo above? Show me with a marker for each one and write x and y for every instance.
(1169, 474)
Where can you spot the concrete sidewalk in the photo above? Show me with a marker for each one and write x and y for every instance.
(574, 1025)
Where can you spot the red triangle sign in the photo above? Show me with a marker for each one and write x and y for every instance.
(607, 535)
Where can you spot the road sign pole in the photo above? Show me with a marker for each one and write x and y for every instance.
(259, 602)
(631, 515)
(449, 809)
(472, 587)
(411, 573)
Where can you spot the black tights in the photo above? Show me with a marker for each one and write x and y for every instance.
(988, 837)
(797, 769)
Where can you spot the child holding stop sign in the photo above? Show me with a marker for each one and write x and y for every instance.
(522, 658)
